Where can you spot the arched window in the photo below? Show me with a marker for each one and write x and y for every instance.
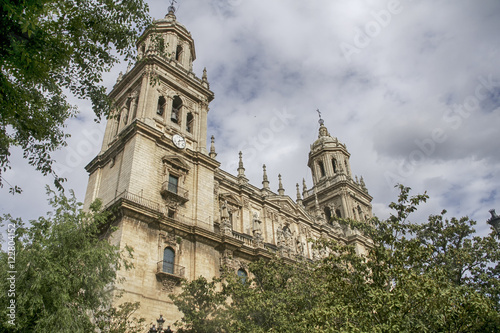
(321, 168)
(178, 53)
(334, 164)
(242, 274)
(176, 109)
(168, 260)
(338, 213)
(328, 214)
(189, 122)
(161, 106)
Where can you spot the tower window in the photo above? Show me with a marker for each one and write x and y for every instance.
(242, 274)
(328, 214)
(178, 53)
(173, 183)
(338, 213)
(176, 109)
(321, 168)
(168, 260)
(334, 164)
(189, 122)
(161, 106)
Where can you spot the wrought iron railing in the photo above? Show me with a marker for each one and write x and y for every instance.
(170, 268)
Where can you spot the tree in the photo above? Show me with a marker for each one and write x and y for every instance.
(429, 277)
(52, 47)
(57, 274)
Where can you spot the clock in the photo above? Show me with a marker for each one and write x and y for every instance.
(179, 141)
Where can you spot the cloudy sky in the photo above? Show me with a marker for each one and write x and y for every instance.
(412, 88)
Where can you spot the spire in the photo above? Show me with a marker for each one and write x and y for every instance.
(363, 185)
(241, 171)
(299, 198)
(265, 181)
(281, 190)
(204, 79)
(212, 154)
(304, 188)
(204, 76)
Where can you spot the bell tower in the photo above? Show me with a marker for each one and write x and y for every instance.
(154, 167)
(335, 192)
(159, 123)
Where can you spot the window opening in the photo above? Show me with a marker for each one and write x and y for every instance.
(242, 274)
(178, 53)
(168, 260)
(328, 214)
(321, 168)
(334, 164)
(176, 109)
(173, 183)
(161, 106)
(189, 122)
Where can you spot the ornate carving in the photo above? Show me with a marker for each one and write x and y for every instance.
(286, 207)
(216, 189)
(226, 227)
(246, 203)
(168, 284)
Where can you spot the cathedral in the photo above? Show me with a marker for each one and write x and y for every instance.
(180, 212)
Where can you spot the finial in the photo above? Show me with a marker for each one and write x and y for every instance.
(304, 188)
(241, 169)
(171, 8)
(299, 198)
(320, 121)
(212, 154)
(265, 180)
(362, 184)
(281, 190)
(204, 77)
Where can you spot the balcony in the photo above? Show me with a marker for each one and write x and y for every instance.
(174, 191)
(167, 269)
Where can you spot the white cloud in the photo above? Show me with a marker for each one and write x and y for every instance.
(263, 57)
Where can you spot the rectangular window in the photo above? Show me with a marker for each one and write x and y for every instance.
(173, 183)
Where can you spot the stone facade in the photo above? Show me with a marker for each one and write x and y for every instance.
(184, 216)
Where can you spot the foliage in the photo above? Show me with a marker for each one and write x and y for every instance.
(49, 48)
(200, 303)
(435, 276)
(63, 270)
(113, 320)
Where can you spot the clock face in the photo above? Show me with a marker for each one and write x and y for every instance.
(179, 141)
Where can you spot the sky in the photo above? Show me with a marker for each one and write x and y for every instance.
(411, 87)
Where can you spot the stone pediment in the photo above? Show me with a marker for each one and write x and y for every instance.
(287, 205)
(230, 199)
(176, 161)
